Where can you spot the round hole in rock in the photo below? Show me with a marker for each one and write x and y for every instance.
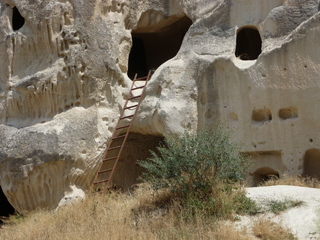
(288, 113)
(155, 44)
(311, 163)
(17, 19)
(264, 174)
(248, 43)
(6, 209)
(261, 115)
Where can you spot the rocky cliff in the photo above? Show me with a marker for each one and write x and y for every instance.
(66, 67)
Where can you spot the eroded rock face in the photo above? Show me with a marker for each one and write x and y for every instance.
(253, 66)
(64, 76)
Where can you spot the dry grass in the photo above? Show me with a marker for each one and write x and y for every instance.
(117, 216)
(294, 181)
(268, 230)
(142, 215)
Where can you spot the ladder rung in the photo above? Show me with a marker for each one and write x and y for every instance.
(109, 159)
(134, 97)
(101, 181)
(138, 87)
(129, 116)
(126, 126)
(104, 171)
(131, 107)
(142, 78)
(115, 138)
(113, 148)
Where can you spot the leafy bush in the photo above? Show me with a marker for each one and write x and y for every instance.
(201, 169)
(194, 162)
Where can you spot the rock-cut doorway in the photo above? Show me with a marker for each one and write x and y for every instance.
(154, 45)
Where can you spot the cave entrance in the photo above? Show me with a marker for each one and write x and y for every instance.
(17, 19)
(137, 147)
(264, 174)
(248, 44)
(154, 45)
(6, 209)
(311, 163)
(137, 58)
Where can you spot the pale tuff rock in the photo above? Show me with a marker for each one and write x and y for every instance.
(75, 194)
(64, 77)
(301, 220)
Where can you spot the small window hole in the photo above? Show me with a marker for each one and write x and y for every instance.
(288, 113)
(248, 43)
(17, 19)
(261, 115)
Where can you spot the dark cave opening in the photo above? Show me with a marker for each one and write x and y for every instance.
(248, 44)
(6, 209)
(17, 19)
(137, 59)
(264, 174)
(137, 148)
(311, 163)
(153, 46)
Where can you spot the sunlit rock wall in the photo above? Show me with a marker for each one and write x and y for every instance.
(270, 100)
(64, 77)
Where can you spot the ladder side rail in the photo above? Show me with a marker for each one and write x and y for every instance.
(113, 135)
(131, 122)
(142, 95)
(118, 122)
(118, 157)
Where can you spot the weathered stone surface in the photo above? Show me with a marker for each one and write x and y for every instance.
(270, 103)
(64, 76)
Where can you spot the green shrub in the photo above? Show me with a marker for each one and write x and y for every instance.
(200, 169)
(194, 162)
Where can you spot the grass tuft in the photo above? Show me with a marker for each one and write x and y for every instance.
(276, 206)
(268, 230)
(296, 180)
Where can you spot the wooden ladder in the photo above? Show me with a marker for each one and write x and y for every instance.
(120, 134)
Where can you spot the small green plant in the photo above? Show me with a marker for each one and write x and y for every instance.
(245, 205)
(200, 169)
(277, 206)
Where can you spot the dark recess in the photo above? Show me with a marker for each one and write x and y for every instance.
(137, 59)
(311, 163)
(248, 44)
(6, 208)
(17, 19)
(264, 174)
(153, 48)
